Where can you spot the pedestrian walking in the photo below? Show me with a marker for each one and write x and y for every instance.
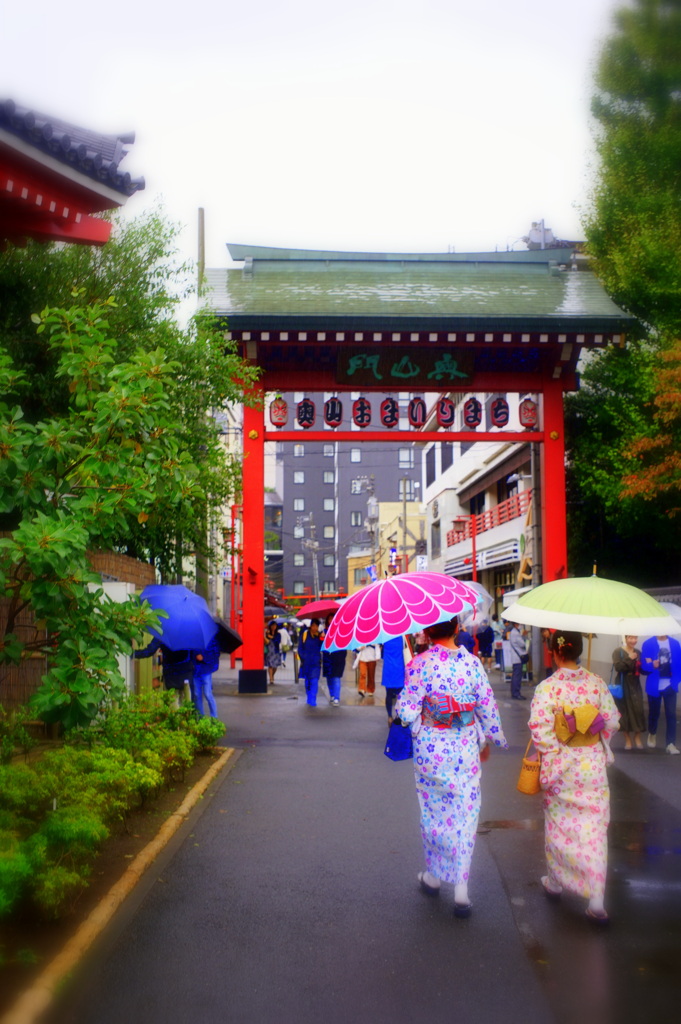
(518, 651)
(394, 672)
(572, 719)
(465, 639)
(626, 662)
(333, 667)
(272, 649)
(177, 666)
(420, 642)
(661, 662)
(486, 646)
(206, 662)
(366, 659)
(285, 643)
(448, 701)
(498, 630)
(309, 652)
(546, 652)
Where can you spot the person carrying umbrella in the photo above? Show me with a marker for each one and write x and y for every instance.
(572, 719)
(449, 703)
(178, 668)
(272, 649)
(309, 652)
(206, 662)
(333, 667)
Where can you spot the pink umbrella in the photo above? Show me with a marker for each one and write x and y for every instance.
(395, 606)
(317, 609)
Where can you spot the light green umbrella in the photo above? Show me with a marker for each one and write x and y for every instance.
(589, 604)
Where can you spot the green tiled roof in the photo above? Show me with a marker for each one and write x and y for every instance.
(374, 288)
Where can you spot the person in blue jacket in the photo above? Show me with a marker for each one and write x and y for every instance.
(333, 667)
(309, 652)
(178, 668)
(206, 662)
(393, 672)
(661, 663)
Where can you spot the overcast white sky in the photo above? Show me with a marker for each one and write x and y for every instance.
(402, 125)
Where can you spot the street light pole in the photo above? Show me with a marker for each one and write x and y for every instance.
(472, 520)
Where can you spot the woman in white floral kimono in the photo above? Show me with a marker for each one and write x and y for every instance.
(448, 701)
(572, 719)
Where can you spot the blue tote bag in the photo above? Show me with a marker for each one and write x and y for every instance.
(399, 746)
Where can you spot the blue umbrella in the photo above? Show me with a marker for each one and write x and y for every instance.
(189, 625)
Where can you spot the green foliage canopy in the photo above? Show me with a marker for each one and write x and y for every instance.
(624, 427)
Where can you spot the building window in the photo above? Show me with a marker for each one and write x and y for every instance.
(329, 587)
(406, 458)
(329, 504)
(299, 504)
(355, 455)
(435, 543)
(298, 532)
(329, 532)
(328, 450)
(328, 476)
(329, 559)
(407, 485)
(299, 559)
(298, 450)
(299, 587)
(299, 476)
(446, 456)
(430, 466)
(477, 503)
(355, 519)
(360, 577)
(355, 487)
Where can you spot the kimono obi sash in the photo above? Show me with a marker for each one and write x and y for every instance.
(578, 727)
(444, 712)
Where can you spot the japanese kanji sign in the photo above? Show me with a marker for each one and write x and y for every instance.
(397, 368)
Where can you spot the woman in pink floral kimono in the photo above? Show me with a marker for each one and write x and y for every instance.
(572, 719)
(448, 701)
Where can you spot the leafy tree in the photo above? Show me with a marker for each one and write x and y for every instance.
(629, 538)
(634, 230)
(624, 426)
(657, 456)
(72, 481)
(141, 267)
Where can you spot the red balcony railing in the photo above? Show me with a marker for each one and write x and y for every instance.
(502, 513)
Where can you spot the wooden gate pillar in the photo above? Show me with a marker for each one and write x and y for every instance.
(252, 676)
(553, 510)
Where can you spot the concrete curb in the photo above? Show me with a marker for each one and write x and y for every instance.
(30, 1006)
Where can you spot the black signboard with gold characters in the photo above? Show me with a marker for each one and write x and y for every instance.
(395, 369)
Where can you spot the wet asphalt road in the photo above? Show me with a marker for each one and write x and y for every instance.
(291, 895)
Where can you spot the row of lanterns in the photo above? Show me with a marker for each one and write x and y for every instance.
(389, 413)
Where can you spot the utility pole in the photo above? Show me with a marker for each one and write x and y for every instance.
(405, 556)
(312, 546)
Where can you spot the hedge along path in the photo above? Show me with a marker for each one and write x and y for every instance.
(33, 1003)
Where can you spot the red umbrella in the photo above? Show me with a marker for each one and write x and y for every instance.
(396, 606)
(317, 609)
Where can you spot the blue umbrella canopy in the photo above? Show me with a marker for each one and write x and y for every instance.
(189, 624)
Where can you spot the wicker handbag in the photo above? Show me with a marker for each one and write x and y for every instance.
(528, 780)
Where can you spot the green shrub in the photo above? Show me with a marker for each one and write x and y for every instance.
(207, 732)
(55, 813)
(55, 888)
(14, 736)
(15, 870)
